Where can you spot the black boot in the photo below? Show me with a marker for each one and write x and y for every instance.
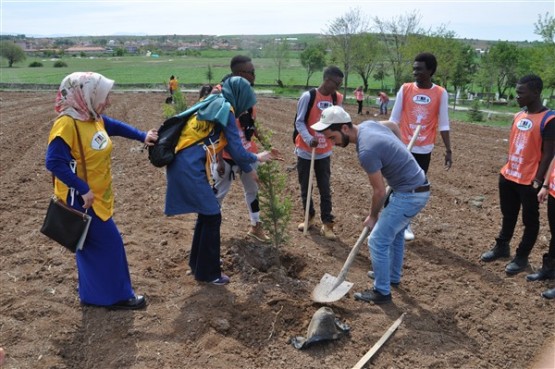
(517, 265)
(549, 294)
(547, 271)
(500, 250)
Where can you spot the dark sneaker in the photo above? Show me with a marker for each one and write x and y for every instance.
(373, 296)
(393, 284)
(223, 280)
(517, 265)
(500, 250)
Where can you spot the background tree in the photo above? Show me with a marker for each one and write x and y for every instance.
(313, 59)
(342, 32)
(455, 58)
(464, 69)
(209, 74)
(542, 56)
(381, 73)
(507, 65)
(12, 52)
(279, 52)
(545, 27)
(394, 35)
(366, 53)
(485, 76)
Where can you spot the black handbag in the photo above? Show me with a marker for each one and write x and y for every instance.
(64, 224)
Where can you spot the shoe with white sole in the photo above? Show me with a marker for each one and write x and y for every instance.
(409, 235)
(311, 223)
(257, 232)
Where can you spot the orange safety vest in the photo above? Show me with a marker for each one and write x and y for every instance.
(551, 183)
(321, 102)
(420, 105)
(525, 148)
(250, 146)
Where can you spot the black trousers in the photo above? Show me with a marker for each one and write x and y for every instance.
(359, 102)
(551, 217)
(322, 171)
(423, 161)
(204, 259)
(513, 196)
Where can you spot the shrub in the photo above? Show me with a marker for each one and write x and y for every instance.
(60, 64)
(275, 205)
(35, 64)
(474, 113)
(179, 105)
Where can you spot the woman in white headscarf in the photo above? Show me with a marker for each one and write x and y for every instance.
(102, 264)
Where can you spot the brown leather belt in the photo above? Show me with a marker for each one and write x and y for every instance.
(423, 188)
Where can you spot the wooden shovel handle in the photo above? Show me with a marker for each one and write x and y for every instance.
(343, 273)
(309, 191)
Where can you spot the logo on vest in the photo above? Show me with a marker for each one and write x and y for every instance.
(99, 141)
(322, 105)
(421, 99)
(524, 124)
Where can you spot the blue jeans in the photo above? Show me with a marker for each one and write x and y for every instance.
(383, 108)
(387, 242)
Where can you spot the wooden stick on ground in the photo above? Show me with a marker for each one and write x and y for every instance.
(380, 343)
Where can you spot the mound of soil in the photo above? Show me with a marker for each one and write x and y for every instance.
(460, 313)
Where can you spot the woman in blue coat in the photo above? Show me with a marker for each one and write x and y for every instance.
(188, 185)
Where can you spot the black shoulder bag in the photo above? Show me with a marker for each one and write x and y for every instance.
(64, 224)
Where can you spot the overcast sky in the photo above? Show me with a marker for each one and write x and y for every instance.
(482, 19)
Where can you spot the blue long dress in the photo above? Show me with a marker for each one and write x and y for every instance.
(102, 266)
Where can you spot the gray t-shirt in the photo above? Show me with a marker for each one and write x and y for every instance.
(380, 150)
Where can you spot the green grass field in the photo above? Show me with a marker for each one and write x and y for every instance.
(192, 72)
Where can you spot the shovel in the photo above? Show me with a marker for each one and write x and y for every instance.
(309, 192)
(332, 288)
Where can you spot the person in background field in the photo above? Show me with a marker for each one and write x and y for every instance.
(359, 96)
(225, 169)
(382, 156)
(308, 139)
(531, 148)
(102, 264)
(188, 185)
(423, 102)
(384, 100)
(547, 271)
(173, 85)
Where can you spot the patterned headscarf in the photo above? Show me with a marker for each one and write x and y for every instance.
(81, 94)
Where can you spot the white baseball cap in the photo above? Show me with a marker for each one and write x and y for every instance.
(332, 115)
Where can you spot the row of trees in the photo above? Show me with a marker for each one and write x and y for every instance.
(391, 49)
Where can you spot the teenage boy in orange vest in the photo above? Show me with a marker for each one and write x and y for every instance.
(307, 139)
(423, 102)
(531, 148)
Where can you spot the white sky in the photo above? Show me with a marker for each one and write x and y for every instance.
(508, 20)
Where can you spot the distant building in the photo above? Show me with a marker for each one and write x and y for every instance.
(88, 50)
